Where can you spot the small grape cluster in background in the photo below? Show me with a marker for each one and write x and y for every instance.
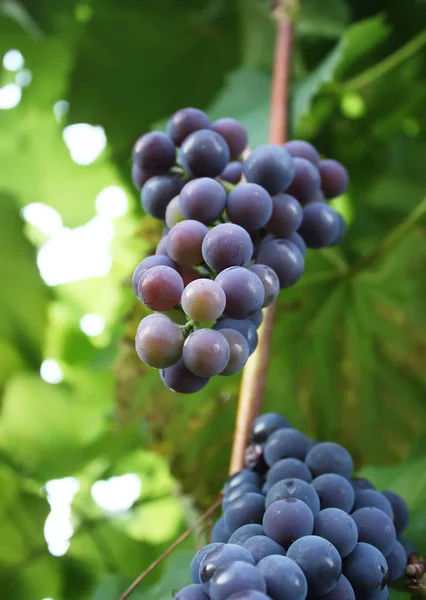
(235, 233)
(298, 525)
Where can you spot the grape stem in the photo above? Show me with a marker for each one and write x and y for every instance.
(254, 374)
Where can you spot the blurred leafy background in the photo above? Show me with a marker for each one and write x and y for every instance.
(100, 466)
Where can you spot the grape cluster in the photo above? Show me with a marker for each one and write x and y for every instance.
(297, 525)
(235, 233)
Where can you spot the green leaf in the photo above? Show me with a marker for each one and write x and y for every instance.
(112, 587)
(322, 18)
(175, 577)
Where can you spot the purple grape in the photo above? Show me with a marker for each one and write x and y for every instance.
(334, 178)
(366, 569)
(341, 232)
(202, 199)
(319, 561)
(320, 225)
(190, 274)
(198, 558)
(243, 476)
(232, 172)
(360, 483)
(342, 591)
(285, 259)
(270, 281)
(206, 352)
(147, 263)
(249, 595)
(249, 508)
(249, 205)
(204, 153)
(157, 193)
(184, 242)
(159, 342)
(237, 492)
(235, 577)
(287, 520)
(239, 351)
(173, 214)
(203, 300)
(260, 546)
(179, 379)
(368, 498)
(306, 181)
(407, 545)
(219, 531)
(257, 318)
(337, 527)
(219, 557)
(154, 152)
(397, 561)
(296, 239)
(287, 216)
(227, 245)
(294, 488)
(234, 134)
(271, 167)
(285, 443)
(243, 326)
(263, 426)
(192, 592)
(288, 468)
(302, 149)
(329, 457)
(186, 121)
(334, 491)
(244, 292)
(245, 532)
(160, 288)
(284, 578)
(400, 510)
(375, 528)
(139, 177)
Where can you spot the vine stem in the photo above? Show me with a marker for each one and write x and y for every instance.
(254, 374)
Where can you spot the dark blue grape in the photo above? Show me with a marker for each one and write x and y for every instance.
(407, 545)
(186, 121)
(242, 534)
(249, 205)
(204, 153)
(285, 259)
(249, 508)
(206, 352)
(235, 577)
(360, 483)
(157, 193)
(337, 527)
(288, 520)
(342, 591)
(288, 468)
(249, 595)
(285, 443)
(236, 492)
(257, 318)
(306, 182)
(243, 476)
(287, 216)
(366, 569)
(154, 152)
(198, 558)
(329, 457)
(334, 178)
(234, 134)
(397, 561)
(381, 595)
(284, 578)
(244, 292)
(302, 149)
(243, 326)
(319, 561)
(368, 498)
(232, 172)
(400, 510)
(334, 491)
(320, 225)
(147, 263)
(296, 239)
(219, 531)
(263, 426)
(260, 546)
(180, 379)
(294, 488)
(202, 199)
(227, 245)
(270, 281)
(269, 166)
(375, 528)
(341, 231)
(192, 592)
(139, 177)
(219, 557)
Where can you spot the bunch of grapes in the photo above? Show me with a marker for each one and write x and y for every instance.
(297, 525)
(235, 233)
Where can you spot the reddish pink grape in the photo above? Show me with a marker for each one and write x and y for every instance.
(159, 341)
(184, 242)
(160, 288)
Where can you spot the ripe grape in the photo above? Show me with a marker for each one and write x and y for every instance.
(337, 527)
(366, 498)
(320, 225)
(302, 149)
(271, 167)
(285, 259)
(263, 426)
(341, 231)
(257, 318)
(185, 122)
(159, 342)
(206, 352)
(294, 488)
(184, 242)
(284, 578)
(203, 300)
(360, 483)
(342, 591)
(260, 546)
(147, 263)
(219, 531)
(319, 561)
(239, 351)
(202, 199)
(296, 239)
(397, 561)
(157, 193)
(287, 216)
(204, 153)
(334, 178)
(249, 205)
(306, 181)
(375, 528)
(249, 595)
(160, 288)
(161, 249)
(400, 510)
(329, 457)
(288, 468)
(219, 557)
(232, 172)
(270, 281)
(227, 245)
(189, 274)
(287, 520)
(249, 508)
(244, 292)
(243, 476)
(191, 592)
(366, 569)
(180, 379)
(173, 214)
(154, 152)
(235, 577)
(237, 492)
(245, 532)
(198, 558)
(234, 134)
(139, 177)
(334, 491)
(285, 443)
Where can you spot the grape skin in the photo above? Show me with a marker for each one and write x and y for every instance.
(286, 217)
(285, 443)
(320, 225)
(206, 352)
(235, 577)
(306, 181)
(198, 558)
(341, 231)
(234, 134)
(243, 476)
(191, 592)
(294, 488)
(249, 508)
(154, 152)
(260, 546)
(227, 245)
(284, 578)
(375, 528)
(243, 326)
(329, 457)
(287, 520)
(366, 569)
(147, 263)
(239, 351)
(334, 178)
(185, 122)
(342, 591)
(372, 498)
(303, 149)
(249, 205)
(397, 561)
(157, 193)
(232, 172)
(288, 468)
(270, 281)
(264, 425)
(202, 199)
(139, 177)
(296, 239)
(184, 242)
(249, 595)
(244, 292)
(173, 213)
(219, 531)
(360, 483)
(337, 527)
(204, 153)
(160, 288)
(179, 379)
(219, 557)
(271, 167)
(334, 491)
(161, 249)
(237, 492)
(400, 510)
(203, 300)
(245, 532)
(285, 259)
(257, 318)
(159, 342)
